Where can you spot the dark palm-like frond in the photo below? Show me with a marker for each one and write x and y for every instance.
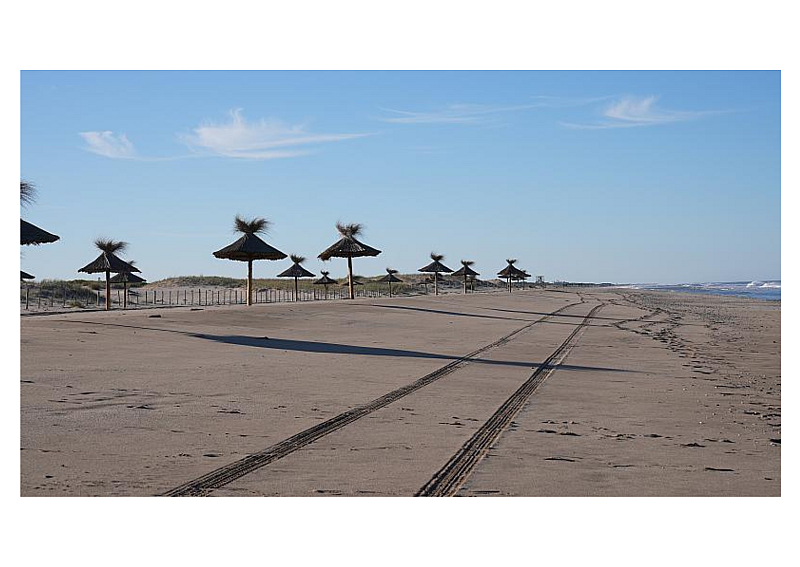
(467, 263)
(324, 273)
(511, 261)
(27, 193)
(250, 226)
(110, 246)
(391, 271)
(437, 257)
(297, 259)
(350, 230)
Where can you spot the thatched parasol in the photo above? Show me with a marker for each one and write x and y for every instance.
(390, 278)
(32, 234)
(510, 272)
(26, 276)
(349, 247)
(466, 272)
(346, 282)
(522, 275)
(296, 271)
(125, 278)
(250, 247)
(326, 281)
(109, 263)
(436, 267)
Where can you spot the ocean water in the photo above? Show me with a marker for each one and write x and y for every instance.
(766, 289)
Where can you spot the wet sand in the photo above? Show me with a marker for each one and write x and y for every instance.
(658, 394)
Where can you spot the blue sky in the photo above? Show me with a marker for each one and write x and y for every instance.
(585, 176)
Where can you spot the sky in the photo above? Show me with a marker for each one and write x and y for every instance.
(625, 177)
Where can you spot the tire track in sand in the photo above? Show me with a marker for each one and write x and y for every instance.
(449, 479)
(217, 478)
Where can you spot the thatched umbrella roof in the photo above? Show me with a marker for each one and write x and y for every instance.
(126, 277)
(510, 271)
(324, 280)
(108, 262)
(32, 234)
(469, 272)
(296, 270)
(390, 278)
(348, 246)
(345, 283)
(26, 276)
(436, 266)
(249, 247)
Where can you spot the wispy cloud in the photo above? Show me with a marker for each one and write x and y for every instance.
(260, 140)
(108, 144)
(452, 114)
(631, 112)
(234, 138)
(467, 113)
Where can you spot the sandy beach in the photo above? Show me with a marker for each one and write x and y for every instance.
(556, 392)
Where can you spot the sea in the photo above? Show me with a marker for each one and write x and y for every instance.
(758, 289)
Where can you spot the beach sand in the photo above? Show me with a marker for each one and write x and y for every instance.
(657, 394)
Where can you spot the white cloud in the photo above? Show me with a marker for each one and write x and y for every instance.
(264, 139)
(452, 114)
(477, 113)
(108, 144)
(630, 112)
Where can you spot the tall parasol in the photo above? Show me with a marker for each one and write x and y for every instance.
(296, 271)
(466, 272)
(348, 246)
(436, 267)
(250, 247)
(108, 262)
(390, 278)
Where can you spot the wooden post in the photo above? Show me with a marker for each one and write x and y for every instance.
(108, 290)
(350, 276)
(296, 298)
(27, 296)
(435, 283)
(250, 282)
(124, 295)
(65, 295)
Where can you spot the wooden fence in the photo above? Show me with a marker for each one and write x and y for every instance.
(42, 297)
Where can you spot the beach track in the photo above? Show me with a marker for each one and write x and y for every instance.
(452, 475)
(222, 476)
